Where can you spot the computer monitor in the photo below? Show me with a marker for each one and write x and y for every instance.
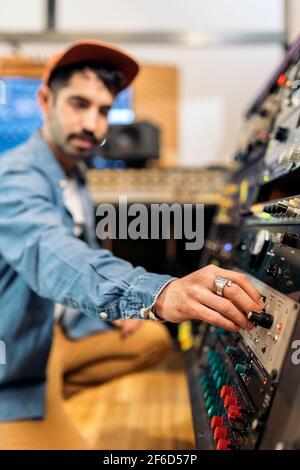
(20, 115)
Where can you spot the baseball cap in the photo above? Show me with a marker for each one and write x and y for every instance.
(96, 51)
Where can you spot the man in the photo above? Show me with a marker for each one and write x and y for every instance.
(51, 266)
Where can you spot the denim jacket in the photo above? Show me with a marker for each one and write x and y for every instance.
(43, 263)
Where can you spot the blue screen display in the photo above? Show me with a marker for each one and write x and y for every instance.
(19, 111)
(20, 114)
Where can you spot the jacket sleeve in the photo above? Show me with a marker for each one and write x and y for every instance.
(35, 242)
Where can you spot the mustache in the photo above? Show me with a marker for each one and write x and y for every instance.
(85, 135)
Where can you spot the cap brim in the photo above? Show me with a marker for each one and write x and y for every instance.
(94, 51)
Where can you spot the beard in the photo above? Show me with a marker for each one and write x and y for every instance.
(81, 145)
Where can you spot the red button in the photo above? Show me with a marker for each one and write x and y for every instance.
(236, 407)
(226, 390)
(216, 421)
(234, 412)
(220, 433)
(281, 80)
(224, 444)
(230, 400)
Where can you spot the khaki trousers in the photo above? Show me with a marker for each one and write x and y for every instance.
(75, 365)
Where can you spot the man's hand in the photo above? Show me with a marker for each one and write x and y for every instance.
(193, 297)
(127, 326)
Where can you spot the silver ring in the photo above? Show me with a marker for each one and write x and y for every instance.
(220, 284)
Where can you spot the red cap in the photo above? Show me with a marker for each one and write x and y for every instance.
(95, 51)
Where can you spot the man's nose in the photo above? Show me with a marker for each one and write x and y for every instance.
(90, 121)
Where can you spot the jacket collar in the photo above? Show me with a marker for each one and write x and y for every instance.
(45, 158)
(48, 163)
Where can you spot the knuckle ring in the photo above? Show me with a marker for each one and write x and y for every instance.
(220, 284)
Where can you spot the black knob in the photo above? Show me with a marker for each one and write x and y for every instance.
(265, 320)
(245, 212)
(290, 239)
(274, 271)
(272, 209)
(281, 134)
(284, 210)
(281, 209)
(264, 113)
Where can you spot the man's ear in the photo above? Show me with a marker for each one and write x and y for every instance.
(45, 99)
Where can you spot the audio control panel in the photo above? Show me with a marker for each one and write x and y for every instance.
(238, 375)
(283, 150)
(247, 385)
(269, 345)
(271, 253)
(280, 210)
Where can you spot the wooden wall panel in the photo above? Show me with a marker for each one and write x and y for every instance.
(19, 65)
(156, 99)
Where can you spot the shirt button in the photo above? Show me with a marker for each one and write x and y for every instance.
(143, 311)
(63, 184)
(103, 315)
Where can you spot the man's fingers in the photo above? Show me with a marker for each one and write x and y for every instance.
(240, 298)
(224, 307)
(201, 312)
(243, 281)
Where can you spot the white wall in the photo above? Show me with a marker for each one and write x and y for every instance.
(216, 86)
(18, 15)
(171, 15)
(216, 83)
(293, 19)
(201, 16)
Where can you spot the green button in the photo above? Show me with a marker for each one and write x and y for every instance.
(208, 392)
(212, 354)
(209, 401)
(216, 366)
(230, 349)
(241, 368)
(207, 386)
(203, 379)
(213, 410)
(216, 375)
(220, 382)
(213, 364)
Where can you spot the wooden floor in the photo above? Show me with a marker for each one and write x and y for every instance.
(147, 410)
